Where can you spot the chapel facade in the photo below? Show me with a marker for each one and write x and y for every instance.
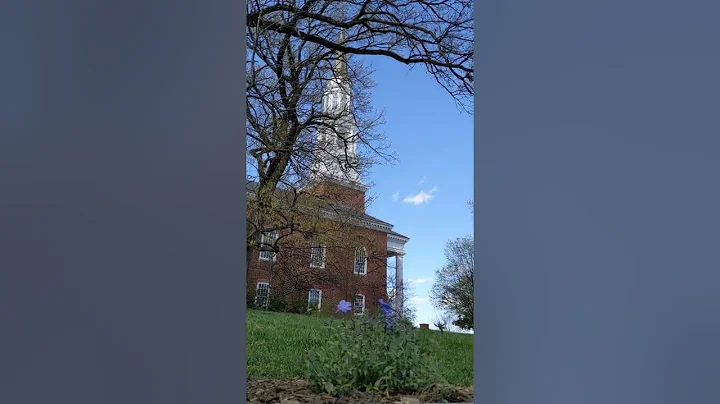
(348, 261)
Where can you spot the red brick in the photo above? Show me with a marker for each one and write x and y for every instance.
(294, 259)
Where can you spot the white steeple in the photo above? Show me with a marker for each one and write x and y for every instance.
(339, 142)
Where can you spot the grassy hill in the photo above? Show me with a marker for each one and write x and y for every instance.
(277, 344)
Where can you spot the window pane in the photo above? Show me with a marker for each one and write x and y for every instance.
(360, 261)
(267, 240)
(359, 303)
(314, 298)
(262, 293)
(317, 257)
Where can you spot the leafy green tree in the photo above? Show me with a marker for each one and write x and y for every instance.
(452, 291)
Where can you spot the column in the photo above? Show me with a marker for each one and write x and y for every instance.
(399, 281)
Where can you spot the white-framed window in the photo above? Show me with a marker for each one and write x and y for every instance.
(359, 304)
(360, 261)
(314, 299)
(267, 239)
(317, 256)
(262, 294)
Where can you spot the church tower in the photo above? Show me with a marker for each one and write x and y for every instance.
(334, 172)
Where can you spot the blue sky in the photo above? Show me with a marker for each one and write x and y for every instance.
(425, 193)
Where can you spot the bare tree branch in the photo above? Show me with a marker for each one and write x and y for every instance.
(436, 34)
(297, 50)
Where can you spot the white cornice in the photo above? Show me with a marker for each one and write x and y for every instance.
(397, 238)
(369, 224)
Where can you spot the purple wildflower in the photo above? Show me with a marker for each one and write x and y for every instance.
(389, 313)
(385, 307)
(343, 306)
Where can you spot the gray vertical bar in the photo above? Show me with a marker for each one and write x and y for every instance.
(122, 202)
(596, 202)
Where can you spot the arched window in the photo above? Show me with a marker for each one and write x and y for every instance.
(360, 261)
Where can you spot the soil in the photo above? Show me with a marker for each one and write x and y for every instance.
(297, 391)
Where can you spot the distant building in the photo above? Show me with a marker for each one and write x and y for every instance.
(349, 261)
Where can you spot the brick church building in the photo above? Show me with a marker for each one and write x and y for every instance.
(348, 259)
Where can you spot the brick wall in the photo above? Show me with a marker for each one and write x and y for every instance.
(340, 194)
(292, 276)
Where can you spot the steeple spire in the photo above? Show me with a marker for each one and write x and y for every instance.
(340, 68)
(338, 158)
(338, 93)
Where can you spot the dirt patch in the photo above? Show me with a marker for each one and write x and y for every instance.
(297, 391)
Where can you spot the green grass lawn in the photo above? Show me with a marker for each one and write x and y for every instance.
(278, 342)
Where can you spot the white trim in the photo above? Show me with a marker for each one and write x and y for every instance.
(319, 305)
(368, 224)
(257, 288)
(397, 238)
(365, 261)
(392, 251)
(323, 252)
(399, 282)
(395, 246)
(355, 304)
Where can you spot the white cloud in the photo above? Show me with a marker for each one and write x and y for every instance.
(418, 300)
(418, 309)
(396, 196)
(421, 181)
(421, 197)
(420, 280)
